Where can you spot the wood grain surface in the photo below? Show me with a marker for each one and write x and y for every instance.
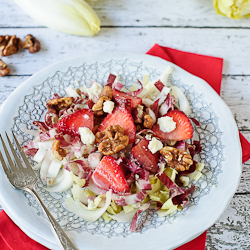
(135, 26)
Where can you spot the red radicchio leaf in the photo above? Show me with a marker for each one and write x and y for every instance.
(79, 100)
(63, 142)
(179, 199)
(90, 103)
(194, 148)
(178, 194)
(56, 96)
(191, 170)
(167, 105)
(118, 86)
(110, 80)
(42, 126)
(44, 136)
(133, 225)
(133, 167)
(181, 145)
(48, 119)
(155, 107)
(195, 121)
(136, 117)
(159, 85)
(29, 151)
(166, 181)
(137, 92)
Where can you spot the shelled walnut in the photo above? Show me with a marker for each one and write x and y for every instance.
(177, 158)
(106, 95)
(58, 152)
(4, 70)
(112, 140)
(148, 121)
(32, 44)
(10, 45)
(56, 105)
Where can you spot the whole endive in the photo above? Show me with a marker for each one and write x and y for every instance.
(233, 8)
(69, 16)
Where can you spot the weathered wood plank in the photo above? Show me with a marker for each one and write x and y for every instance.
(58, 46)
(138, 13)
(231, 231)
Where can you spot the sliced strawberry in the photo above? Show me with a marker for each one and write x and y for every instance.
(183, 130)
(121, 97)
(70, 124)
(145, 157)
(122, 117)
(109, 175)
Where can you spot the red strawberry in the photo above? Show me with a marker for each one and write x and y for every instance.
(183, 130)
(70, 124)
(121, 97)
(142, 153)
(109, 175)
(122, 117)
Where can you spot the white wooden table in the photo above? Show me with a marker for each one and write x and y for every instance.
(135, 26)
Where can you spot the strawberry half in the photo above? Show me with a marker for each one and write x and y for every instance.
(122, 117)
(142, 153)
(70, 124)
(109, 175)
(121, 97)
(183, 130)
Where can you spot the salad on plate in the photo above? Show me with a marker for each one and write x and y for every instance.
(119, 151)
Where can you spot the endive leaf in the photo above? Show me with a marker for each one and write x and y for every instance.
(62, 16)
(89, 14)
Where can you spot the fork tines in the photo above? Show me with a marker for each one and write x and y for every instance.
(12, 165)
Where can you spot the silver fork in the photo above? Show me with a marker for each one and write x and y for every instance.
(24, 178)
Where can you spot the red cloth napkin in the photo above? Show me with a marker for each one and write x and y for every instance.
(12, 237)
(201, 66)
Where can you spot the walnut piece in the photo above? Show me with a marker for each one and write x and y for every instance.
(112, 140)
(148, 121)
(106, 95)
(99, 104)
(32, 44)
(4, 70)
(177, 158)
(58, 152)
(107, 91)
(10, 45)
(56, 105)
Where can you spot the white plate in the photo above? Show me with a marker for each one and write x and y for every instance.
(218, 134)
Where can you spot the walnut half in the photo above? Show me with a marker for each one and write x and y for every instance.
(177, 158)
(106, 95)
(58, 152)
(4, 70)
(112, 140)
(56, 105)
(10, 45)
(32, 44)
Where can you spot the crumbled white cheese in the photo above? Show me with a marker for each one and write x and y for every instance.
(155, 145)
(148, 137)
(140, 111)
(87, 136)
(167, 124)
(184, 180)
(86, 116)
(95, 90)
(108, 106)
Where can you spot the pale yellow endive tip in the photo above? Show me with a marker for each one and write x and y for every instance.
(232, 8)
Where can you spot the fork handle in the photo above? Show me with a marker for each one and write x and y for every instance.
(60, 235)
